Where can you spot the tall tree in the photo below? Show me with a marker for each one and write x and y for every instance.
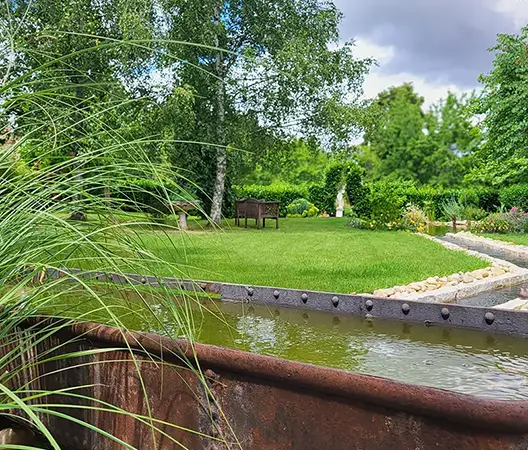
(274, 60)
(407, 143)
(503, 158)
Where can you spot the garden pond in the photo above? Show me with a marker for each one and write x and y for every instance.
(488, 365)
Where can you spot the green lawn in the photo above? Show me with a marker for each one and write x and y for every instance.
(516, 238)
(316, 254)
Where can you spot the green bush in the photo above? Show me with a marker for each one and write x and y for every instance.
(357, 191)
(317, 195)
(299, 206)
(386, 202)
(312, 211)
(283, 193)
(334, 179)
(474, 213)
(495, 223)
(356, 222)
(515, 196)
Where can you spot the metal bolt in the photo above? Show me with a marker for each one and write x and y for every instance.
(445, 313)
(276, 294)
(250, 291)
(369, 304)
(304, 298)
(143, 280)
(335, 301)
(489, 317)
(406, 308)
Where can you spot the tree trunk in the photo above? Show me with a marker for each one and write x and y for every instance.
(221, 154)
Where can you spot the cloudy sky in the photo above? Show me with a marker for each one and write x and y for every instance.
(439, 45)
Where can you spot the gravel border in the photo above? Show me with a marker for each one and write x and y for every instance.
(450, 294)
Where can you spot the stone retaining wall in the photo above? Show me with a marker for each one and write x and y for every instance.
(459, 285)
(509, 248)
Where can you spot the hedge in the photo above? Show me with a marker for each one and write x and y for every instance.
(283, 193)
(359, 193)
(516, 195)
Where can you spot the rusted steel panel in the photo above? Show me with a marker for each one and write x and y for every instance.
(255, 402)
(488, 319)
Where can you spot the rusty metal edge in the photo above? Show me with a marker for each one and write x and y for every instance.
(460, 409)
(452, 315)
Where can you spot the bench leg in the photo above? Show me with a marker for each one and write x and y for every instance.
(264, 222)
(245, 221)
(277, 223)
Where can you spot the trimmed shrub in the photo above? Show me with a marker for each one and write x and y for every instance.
(335, 177)
(317, 195)
(357, 191)
(283, 193)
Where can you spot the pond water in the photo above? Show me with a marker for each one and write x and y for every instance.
(487, 365)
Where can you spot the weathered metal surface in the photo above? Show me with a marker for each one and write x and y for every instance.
(488, 319)
(254, 402)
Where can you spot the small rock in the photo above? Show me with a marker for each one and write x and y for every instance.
(455, 277)
(431, 280)
(467, 278)
(443, 279)
(497, 271)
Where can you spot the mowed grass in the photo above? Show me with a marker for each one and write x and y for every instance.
(516, 238)
(313, 254)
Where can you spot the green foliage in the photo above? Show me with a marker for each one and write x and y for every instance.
(299, 206)
(407, 143)
(515, 196)
(494, 223)
(312, 211)
(413, 219)
(452, 209)
(386, 203)
(357, 191)
(356, 222)
(283, 193)
(473, 213)
(335, 178)
(291, 161)
(150, 196)
(512, 222)
(317, 195)
(503, 158)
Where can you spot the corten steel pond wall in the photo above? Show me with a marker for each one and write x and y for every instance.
(430, 314)
(269, 403)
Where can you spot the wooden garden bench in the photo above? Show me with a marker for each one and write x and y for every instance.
(257, 209)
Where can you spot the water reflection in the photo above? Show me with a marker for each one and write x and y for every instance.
(472, 362)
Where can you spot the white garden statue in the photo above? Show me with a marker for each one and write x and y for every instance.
(340, 201)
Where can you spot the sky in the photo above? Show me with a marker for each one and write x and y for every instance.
(439, 45)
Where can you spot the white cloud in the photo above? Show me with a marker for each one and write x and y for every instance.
(377, 81)
(433, 88)
(517, 9)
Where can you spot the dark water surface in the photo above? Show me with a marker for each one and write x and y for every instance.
(487, 365)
